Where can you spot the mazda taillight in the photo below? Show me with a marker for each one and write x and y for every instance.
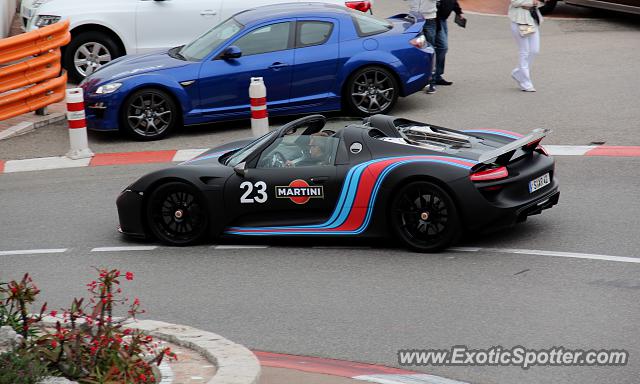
(490, 174)
(362, 6)
(419, 42)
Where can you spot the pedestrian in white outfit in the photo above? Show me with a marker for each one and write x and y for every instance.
(526, 31)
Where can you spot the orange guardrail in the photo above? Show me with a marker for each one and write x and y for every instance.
(33, 79)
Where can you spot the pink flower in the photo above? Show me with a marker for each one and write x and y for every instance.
(129, 275)
(54, 313)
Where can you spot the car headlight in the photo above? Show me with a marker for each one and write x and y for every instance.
(44, 20)
(108, 88)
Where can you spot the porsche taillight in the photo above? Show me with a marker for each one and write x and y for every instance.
(362, 6)
(542, 150)
(490, 174)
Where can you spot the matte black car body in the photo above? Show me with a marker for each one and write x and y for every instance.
(354, 195)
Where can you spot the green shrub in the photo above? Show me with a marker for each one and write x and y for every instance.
(87, 345)
(21, 369)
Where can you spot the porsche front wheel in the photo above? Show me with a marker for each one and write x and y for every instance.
(177, 215)
(424, 217)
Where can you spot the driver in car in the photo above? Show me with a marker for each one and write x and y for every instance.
(318, 153)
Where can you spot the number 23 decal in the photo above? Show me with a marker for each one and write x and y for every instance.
(260, 195)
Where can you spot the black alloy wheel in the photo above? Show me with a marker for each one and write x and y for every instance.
(177, 215)
(149, 114)
(372, 90)
(424, 217)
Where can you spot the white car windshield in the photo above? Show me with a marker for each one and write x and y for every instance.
(199, 48)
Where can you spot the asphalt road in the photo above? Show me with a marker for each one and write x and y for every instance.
(365, 304)
(362, 304)
(586, 76)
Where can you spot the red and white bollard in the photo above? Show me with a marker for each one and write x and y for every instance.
(259, 114)
(77, 125)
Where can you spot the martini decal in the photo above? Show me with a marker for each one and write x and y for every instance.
(299, 191)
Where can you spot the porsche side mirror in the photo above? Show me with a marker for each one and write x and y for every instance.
(232, 52)
(241, 169)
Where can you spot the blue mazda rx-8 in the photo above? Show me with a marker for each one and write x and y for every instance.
(313, 57)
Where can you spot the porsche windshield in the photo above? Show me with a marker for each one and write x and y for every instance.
(243, 153)
(199, 48)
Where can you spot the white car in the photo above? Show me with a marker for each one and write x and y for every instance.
(105, 29)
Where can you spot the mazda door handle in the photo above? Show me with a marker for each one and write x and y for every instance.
(319, 180)
(208, 12)
(278, 65)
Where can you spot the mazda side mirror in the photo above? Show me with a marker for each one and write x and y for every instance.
(232, 52)
(241, 169)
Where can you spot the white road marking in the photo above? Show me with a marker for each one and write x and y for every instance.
(407, 379)
(240, 246)
(568, 150)
(44, 163)
(32, 251)
(188, 154)
(464, 249)
(573, 255)
(125, 249)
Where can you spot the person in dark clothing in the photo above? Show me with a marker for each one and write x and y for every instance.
(445, 8)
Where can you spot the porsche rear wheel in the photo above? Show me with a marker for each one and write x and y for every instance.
(424, 217)
(177, 215)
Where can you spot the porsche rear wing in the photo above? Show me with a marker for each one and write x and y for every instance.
(504, 154)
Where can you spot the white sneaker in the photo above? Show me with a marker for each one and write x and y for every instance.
(514, 77)
(523, 86)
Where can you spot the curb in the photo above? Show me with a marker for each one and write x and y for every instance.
(28, 126)
(173, 156)
(235, 363)
(349, 369)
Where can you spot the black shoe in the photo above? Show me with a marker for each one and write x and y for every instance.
(442, 81)
(430, 89)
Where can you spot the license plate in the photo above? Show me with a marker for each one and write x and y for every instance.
(539, 182)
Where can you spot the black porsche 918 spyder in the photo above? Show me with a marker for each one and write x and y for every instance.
(384, 176)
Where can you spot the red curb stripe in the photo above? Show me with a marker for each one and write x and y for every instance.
(261, 114)
(75, 107)
(325, 366)
(75, 124)
(259, 102)
(614, 151)
(2, 166)
(128, 158)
